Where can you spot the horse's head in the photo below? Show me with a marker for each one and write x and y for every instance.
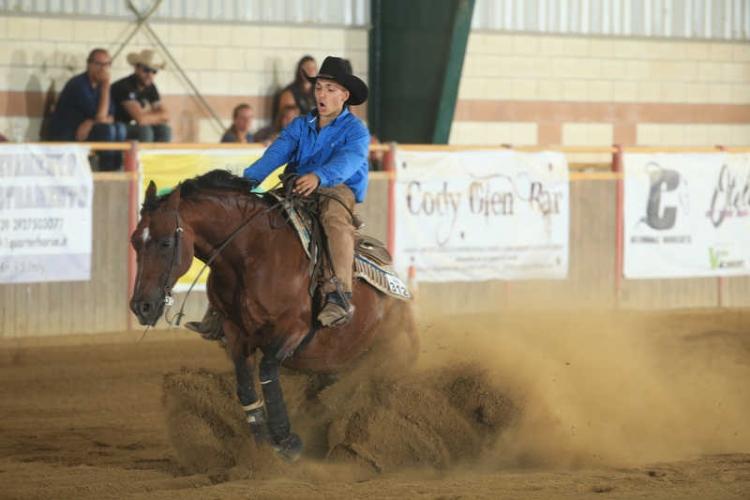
(164, 252)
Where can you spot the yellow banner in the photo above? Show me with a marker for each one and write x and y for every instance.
(168, 167)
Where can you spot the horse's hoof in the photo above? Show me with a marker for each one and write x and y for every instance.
(290, 448)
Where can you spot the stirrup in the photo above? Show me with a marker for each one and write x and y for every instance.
(210, 327)
(337, 311)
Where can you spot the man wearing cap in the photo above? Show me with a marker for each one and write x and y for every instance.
(137, 101)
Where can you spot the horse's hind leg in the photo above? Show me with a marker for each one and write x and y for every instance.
(285, 442)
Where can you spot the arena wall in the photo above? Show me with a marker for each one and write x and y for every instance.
(228, 62)
(97, 305)
(100, 305)
(550, 89)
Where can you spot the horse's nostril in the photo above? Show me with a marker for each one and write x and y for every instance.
(145, 307)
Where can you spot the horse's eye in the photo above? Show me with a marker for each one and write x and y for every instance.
(166, 243)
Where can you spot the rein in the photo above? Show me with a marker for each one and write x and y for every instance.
(169, 301)
(176, 259)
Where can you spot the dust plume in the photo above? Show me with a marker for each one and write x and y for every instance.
(612, 388)
(554, 390)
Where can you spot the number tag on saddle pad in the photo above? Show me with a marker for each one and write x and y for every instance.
(380, 278)
(397, 287)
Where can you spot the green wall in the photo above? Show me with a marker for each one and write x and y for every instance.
(417, 50)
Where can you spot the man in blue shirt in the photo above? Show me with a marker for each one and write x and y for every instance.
(328, 149)
(84, 110)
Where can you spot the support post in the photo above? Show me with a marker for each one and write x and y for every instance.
(617, 168)
(130, 164)
(721, 280)
(389, 165)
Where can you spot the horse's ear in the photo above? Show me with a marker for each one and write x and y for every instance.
(151, 192)
(173, 202)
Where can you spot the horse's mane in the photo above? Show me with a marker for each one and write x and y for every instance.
(222, 180)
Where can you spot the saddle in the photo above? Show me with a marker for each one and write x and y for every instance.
(372, 261)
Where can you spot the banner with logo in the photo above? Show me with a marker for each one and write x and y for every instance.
(481, 215)
(686, 215)
(167, 167)
(46, 199)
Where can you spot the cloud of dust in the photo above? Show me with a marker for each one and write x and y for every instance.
(608, 388)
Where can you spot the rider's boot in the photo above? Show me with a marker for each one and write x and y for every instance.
(337, 311)
(210, 326)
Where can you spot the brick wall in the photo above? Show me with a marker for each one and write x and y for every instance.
(523, 89)
(229, 63)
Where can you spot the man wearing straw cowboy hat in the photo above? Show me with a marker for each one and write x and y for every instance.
(327, 149)
(137, 101)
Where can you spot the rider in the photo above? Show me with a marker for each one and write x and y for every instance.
(328, 149)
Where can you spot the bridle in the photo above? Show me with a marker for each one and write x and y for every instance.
(174, 262)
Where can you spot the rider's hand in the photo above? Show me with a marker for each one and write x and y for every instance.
(306, 184)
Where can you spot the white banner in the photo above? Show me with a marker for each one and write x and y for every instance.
(686, 215)
(46, 198)
(481, 215)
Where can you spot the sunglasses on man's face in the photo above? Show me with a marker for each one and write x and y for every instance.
(146, 69)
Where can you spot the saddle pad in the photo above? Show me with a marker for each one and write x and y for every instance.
(366, 267)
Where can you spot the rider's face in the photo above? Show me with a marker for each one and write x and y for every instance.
(330, 97)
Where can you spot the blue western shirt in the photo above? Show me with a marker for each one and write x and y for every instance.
(78, 101)
(337, 153)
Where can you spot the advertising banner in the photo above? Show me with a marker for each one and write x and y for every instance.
(46, 197)
(167, 167)
(686, 215)
(481, 215)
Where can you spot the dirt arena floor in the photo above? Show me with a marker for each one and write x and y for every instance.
(523, 406)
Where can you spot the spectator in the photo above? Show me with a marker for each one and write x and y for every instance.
(269, 133)
(242, 120)
(300, 92)
(137, 101)
(84, 111)
(377, 155)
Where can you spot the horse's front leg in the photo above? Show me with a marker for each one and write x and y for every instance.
(287, 443)
(244, 369)
(244, 366)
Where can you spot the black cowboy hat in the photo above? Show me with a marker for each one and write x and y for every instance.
(340, 71)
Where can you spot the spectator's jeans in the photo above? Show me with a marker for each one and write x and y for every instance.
(108, 132)
(150, 133)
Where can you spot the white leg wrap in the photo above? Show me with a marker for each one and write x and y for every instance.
(253, 406)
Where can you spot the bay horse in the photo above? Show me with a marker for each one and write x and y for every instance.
(259, 281)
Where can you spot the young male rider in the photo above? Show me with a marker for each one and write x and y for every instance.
(328, 149)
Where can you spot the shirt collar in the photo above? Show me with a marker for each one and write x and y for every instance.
(312, 116)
